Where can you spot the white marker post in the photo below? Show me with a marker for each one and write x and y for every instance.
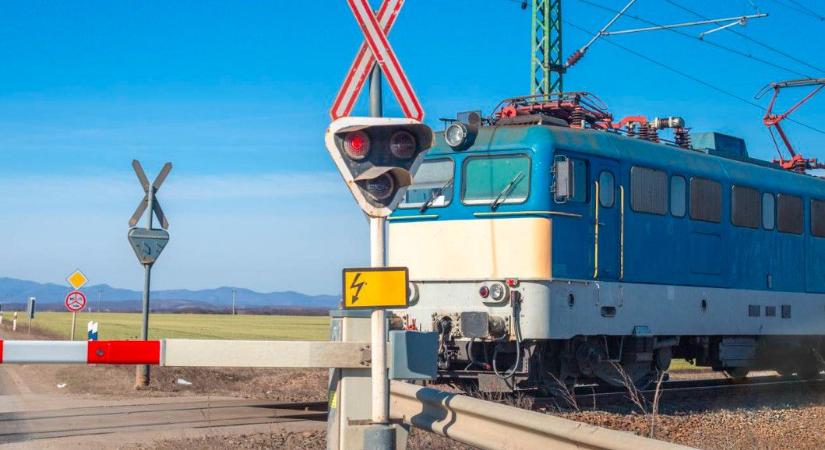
(14, 322)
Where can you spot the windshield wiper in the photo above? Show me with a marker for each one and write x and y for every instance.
(502, 196)
(436, 193)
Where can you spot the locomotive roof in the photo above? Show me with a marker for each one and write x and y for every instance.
(543, 140)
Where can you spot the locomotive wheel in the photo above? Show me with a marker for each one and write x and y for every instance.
(737, 373)
(638, 374)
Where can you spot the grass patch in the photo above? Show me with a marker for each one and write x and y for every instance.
(115, 326)
(681, 364)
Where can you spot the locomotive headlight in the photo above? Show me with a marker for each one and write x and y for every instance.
(498, 291)
(456, 134)
(381, 188)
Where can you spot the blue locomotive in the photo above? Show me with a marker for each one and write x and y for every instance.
(549, 245)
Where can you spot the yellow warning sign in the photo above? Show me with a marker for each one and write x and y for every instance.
(77, 279)
(376, 287)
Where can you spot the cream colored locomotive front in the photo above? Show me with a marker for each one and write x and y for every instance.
(476, 266)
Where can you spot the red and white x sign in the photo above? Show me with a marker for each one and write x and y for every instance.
(376, 49)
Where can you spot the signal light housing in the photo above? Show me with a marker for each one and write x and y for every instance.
(377, 157)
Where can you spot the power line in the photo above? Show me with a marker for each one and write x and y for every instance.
(745, 36)
(690, 77)
(800, 8)
(713, 44)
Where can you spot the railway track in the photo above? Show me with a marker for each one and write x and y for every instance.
(154, 417)
(585, 396)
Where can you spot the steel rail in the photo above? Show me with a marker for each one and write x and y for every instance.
(685, 386)
(490, 425)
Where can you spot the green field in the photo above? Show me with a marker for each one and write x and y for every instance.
(191, 326)
(195, 326)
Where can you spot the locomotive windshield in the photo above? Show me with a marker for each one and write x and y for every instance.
(496, 179)
(432, 185)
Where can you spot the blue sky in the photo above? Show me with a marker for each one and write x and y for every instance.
(236, 95)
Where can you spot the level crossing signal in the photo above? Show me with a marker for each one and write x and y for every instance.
(377, 157)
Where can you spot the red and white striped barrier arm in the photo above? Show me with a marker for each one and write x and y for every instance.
(189, 353)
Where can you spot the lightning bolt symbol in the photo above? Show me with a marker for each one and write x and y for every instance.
(357, 286)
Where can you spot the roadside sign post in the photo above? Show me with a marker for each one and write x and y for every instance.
(30, 312)
(75, 301)
(148, 243)
(91, 330)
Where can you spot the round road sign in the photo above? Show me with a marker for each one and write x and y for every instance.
(75, 301)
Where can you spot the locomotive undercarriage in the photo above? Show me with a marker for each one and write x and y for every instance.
(552, 365)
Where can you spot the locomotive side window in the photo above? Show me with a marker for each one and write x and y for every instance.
(768, 211)
(745, 207)
(496, 180)
(607, 189)
(818, 218)
(789, 214)
(648, 190)
(705, 200)
(432, 185)
(678, 188)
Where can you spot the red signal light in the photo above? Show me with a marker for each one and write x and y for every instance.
(484, 292)
(512, 282)
(357, 145)
(402, 144)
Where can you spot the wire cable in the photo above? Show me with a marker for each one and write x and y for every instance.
(691, 77)
(800, 8)
(713, 44)
(745, 36)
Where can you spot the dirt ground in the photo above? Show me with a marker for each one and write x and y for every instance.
(761, 420)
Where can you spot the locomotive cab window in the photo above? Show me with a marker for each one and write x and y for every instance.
(818, 218)
(705, 200)
(496, 180)
(678, 191)
(789, 217)
(745, 207)
(768, 211)
(432, 185)
(607, 189)
(648, 190)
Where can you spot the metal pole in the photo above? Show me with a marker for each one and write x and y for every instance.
(233, 302)
(142, 372)
(380, 383)
(74, 324)
(99, 296)
(376, 101)
(142, 375)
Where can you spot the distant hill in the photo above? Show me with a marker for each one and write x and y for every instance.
(51, 296)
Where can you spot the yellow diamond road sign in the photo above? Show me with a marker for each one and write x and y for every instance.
(77, 279)
(376, 287)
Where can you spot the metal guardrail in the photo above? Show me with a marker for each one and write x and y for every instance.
(490, 425)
